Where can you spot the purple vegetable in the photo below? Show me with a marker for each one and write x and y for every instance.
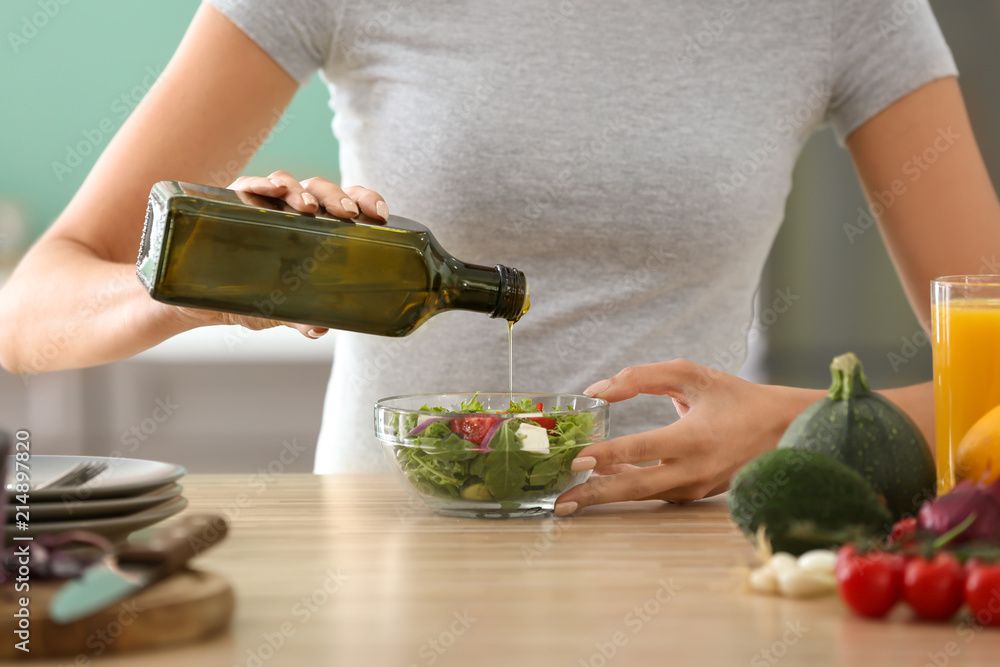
(945, 512)
(494, 427)
(56, 555)
(417, 430)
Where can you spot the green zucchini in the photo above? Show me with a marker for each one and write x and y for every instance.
(870, 434)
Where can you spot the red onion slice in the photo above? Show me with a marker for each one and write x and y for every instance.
(494, 427)
(421, 427)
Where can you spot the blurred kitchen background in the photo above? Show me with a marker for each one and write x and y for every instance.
(221, 399)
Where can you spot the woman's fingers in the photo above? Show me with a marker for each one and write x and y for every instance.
(331, 197)
(313, 193)
(680, 379)
(632, 484)
(370, 202)
(258, 324)
(669, 480)
(615, 469)
(282, 185)
(308, 330)
(198, 318)
(677, 440)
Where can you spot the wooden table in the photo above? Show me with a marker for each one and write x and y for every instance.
(347, 570)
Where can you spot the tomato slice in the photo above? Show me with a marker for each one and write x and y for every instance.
(545, 422)
(473, 429)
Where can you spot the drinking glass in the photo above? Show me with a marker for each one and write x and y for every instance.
(965, 323)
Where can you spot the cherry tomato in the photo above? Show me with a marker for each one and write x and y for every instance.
(473, 429)
(871, 584)
(933, 588)
(982, 593)
(904, 530)
(845, 555)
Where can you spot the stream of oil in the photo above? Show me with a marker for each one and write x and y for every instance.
(510, 359)
(510, 348)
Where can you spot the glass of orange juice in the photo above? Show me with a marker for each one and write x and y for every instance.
(965, 329)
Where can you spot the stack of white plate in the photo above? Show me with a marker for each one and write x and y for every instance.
(130, 494)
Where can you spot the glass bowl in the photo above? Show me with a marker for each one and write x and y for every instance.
(464, 454)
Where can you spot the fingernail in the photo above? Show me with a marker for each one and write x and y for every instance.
(309, 200)
(349, 205)
(382, 210)
(277, 184)
(562, 509)
(597, 388)
(583, 463)
(316, 332)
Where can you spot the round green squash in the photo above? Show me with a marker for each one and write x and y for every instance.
(868, 433)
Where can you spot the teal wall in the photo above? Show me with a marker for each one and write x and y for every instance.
(84, 68)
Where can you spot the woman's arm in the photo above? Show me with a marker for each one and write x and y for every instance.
(74, 299)
(942, 218)
(938, 212)
(922, 172)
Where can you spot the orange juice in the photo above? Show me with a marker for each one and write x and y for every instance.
(966, 340)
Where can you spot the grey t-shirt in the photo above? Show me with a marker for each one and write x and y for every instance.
(632, 158)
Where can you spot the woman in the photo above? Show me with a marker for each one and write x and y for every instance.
(632, 159)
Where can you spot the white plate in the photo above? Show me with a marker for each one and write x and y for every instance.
(124, 477)
(114, 528)
(59, 510)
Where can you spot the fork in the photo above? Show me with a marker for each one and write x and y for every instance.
(78, 475)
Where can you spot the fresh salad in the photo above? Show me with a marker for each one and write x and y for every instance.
(481, 455)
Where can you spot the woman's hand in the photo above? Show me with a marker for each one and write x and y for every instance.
(309, 196)
(724, 422)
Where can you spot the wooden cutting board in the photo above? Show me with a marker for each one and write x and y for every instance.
(187, 607)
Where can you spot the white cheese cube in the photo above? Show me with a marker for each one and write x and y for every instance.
(534, 438)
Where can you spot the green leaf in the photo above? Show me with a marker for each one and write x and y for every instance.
(472, 405)
(505, 474)
(436, 431)
(524, 405)
(455, 448)
(477, 465)
(505, 439)
(545, 471)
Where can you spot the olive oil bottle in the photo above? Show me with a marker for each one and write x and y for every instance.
(241, 253)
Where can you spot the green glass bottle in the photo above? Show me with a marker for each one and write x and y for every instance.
(241, 253)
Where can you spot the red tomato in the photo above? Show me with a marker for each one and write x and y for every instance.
(904, 530)
(473, 429)
(982, 593)
(845, 555)
(545, 422)
(540, 407)
(933, 588)
(870, 585)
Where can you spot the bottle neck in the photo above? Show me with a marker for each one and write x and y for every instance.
(499, 291)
